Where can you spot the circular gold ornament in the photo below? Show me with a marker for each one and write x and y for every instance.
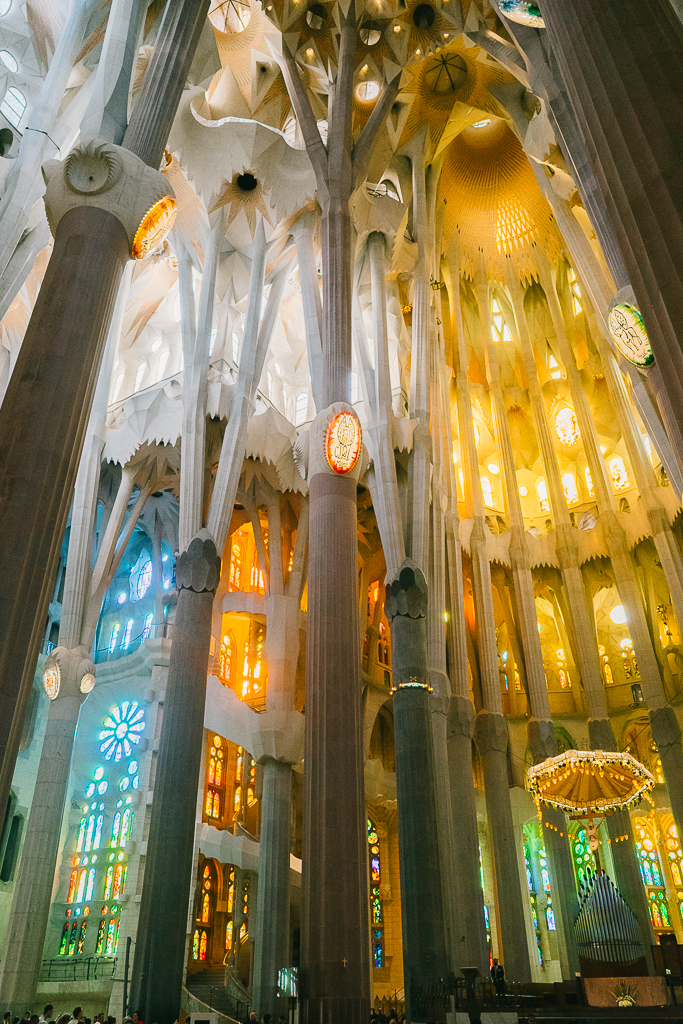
(154, 227)
(628, 331)
(52, 678)
(87, 682)
(342, 442)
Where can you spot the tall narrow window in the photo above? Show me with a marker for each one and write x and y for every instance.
(300, 408)
(215, 779)
(127, 634)
(542, 494)
(236, 566)
(487, 491)
(115, 630)
(376, 915)
(499, 329)
(226, 659)
(589, 482)
(147, 628)
(571, 494)
(619, 475)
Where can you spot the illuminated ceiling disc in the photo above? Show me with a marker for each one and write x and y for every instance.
(342, 442)
(523, 12)
(87, 682)
(154, 227)
(589, 781)
(52, 678)
(628, 332)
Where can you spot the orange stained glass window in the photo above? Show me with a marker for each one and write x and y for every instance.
(226, 658)
(202, 946)
(228, 935)
(236, 569)
(674, 855)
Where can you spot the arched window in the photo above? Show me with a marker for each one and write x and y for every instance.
(215, 779)
(300, 408)
(127, 634)
(487, 491)
(115, 630)
(13, 105)
(4, 7)
(236, 565)
(659, 910)
(147, 628)
(571, 494)
(205, 909)
(542, 494)
(584, 861)
(226, 659)
(648, 861)
(567, 426)
(619, 475)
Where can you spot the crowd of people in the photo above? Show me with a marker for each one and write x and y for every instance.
(75, 1016)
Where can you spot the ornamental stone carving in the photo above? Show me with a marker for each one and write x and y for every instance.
(199, 568)
(407, 594)
(106, 176)
(313, 454)
(68, 673)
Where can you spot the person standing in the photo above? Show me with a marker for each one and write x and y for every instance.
(46, 1015)
(498, 978)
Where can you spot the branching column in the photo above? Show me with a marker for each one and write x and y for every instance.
(490, 727)
(540, 728)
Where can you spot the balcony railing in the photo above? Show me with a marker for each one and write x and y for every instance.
(157, 631)
(81, 968)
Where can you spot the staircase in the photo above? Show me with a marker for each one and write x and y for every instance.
(209, 987)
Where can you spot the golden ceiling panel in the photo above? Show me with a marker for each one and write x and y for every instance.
(492, 196)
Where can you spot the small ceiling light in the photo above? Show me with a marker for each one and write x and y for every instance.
(397, 28)
(493, 468)
(618, 615)
(603, 449)
(121, 599)
(482, 123)
(368, 91)
(523, 491)
(309, 53)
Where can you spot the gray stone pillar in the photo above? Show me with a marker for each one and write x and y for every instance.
(425, 959)
(469, 942)
(335, 948)
(622, 62)
(160, 945)
(66, 685)
(491, 737)
(271, 951)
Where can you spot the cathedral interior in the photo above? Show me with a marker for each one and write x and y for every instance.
(341, 476)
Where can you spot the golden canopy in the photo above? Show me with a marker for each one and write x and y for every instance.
(587, 782)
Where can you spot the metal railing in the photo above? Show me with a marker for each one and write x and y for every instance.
(83, 968)
(157, 631)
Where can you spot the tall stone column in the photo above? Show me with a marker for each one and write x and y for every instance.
(94, 214)
(490, 727)
(160, 946)
(540, 729)
(68, 678)
(271, 952)
(335, 954)
(622, 63)
(425, 960)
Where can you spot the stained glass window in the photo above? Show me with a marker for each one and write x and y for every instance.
(542, 494)
(659, 910)
(147, 628)
(73, 882)
(589, 482)
(226, 658)
(584, 861)
(236, 566)
(112, 936)
(487, 491)
(567, 427)
(619, 475)
(127, 635)
(108, 882)
(674, 855)
(376, 915)
(216, 778)
(122, 729)
(571, 493)
(648, 861)
(115, 630)
(73, 938)
(101, 931)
